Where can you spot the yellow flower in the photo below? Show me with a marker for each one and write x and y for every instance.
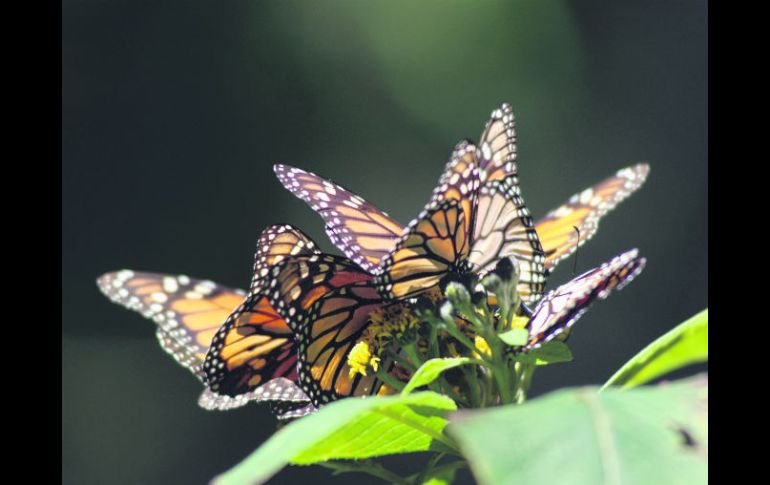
(519, 321)
(360, 357)
(482, 346)
(389, 323)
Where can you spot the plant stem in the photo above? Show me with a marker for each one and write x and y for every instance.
(449, 466)
(388, 379)
(473, 385)
(366, 466)
(402, 362)
(420, 478)
(412, 354)
(501, 375)
(455, 332)
(525, 379)
(433, 341)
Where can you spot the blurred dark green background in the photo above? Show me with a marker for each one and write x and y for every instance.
(174, 112)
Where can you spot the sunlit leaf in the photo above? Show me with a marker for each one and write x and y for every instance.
(549, 353)
(430, 370)
(687, 343)
(350, 429)
(515, 337)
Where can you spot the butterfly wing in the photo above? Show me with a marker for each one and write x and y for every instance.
(504, 227)
(459, 182)
(327, 301)
(188, 311)
(276, 243)
(437, 242)
(584, 210)
(284, 411)
(277, 390)
(360, 230)
(562, 307)
(497, 146)
(255, 345)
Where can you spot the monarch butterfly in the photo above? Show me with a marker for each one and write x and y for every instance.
(463, 227)
(327, 301)
(558, 310)
(366, 235)
(499, 225)
(252, 353)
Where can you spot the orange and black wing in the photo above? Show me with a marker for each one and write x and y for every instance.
(255, 345)
(460, 182)
(437, 242)
(435, 245)
(327, 300)
(584, 210)
(562, 307)
(360, 230)
(276, 243)
(188, 311)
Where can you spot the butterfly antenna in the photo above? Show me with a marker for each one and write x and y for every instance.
(577, 246)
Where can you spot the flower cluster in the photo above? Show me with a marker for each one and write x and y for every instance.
(499, 340)
(462, 321)
(389, 326)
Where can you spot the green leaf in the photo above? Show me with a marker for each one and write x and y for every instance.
(430, 370)
(578, 436)
(516, 337)
(441, 477)
(438, 480)
(687, 343)
(350, 429)
(549, 353)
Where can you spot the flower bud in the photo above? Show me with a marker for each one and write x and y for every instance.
(492, 282)
(458, 294)
(468, 280)
(446, 311)
(479, 297)
(507, 269)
